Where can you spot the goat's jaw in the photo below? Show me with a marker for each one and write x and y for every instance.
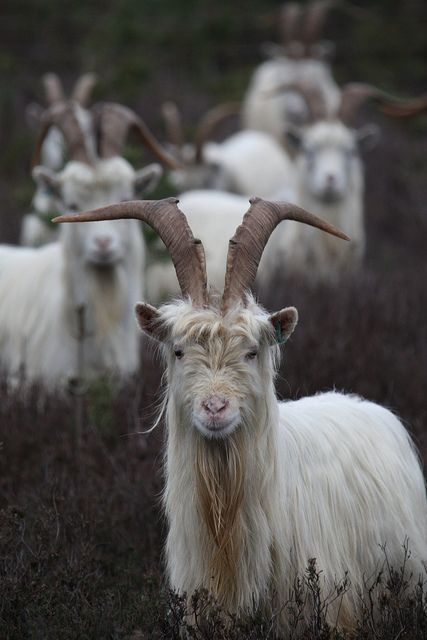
(216, 427)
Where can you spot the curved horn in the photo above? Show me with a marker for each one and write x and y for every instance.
(170, 223)
(289, 22)
(313, 96)
(405, 109)
(314, 20)
(173, 123)
(355, 94)
(248, 243)
(53, 89)
(113, 122)
(83, 88)
(209, 122)
(63, 116)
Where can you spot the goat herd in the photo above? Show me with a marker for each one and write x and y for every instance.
(254, 487)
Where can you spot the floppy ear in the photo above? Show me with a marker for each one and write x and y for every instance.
(148, 319)
(368, 136)
(47, 180)
(284, 322)
(146, 179)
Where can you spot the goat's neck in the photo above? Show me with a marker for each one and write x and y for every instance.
(220, 499)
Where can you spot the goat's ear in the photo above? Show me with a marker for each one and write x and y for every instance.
(284, 322)
(147, 179)
(293, 137)
(148, 320)
(368, 137)
(47, 180)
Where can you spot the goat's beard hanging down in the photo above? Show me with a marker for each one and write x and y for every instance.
(247, 508)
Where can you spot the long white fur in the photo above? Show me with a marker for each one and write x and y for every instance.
(42, 288)
(264, 111)
(327, 148)
(332, 476)
(245, 163)
(35, 231)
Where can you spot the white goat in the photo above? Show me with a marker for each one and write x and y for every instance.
(244, 163)
(255, 488)
(98, 270)
(36, 228)
(329, 180)
(300, 59)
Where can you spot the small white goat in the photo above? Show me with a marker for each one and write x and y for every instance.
(300, 59)
(255, 488)
(329, 180)
(244, 163)
(36, 229)
(98, 270)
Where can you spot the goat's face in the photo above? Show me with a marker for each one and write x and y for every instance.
(218, 366)
(328, 155)
(80, 186)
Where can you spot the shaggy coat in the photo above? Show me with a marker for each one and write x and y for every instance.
(331, 477)
(41, 291)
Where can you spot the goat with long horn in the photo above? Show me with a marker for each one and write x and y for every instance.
(329, 178)
(257, 487)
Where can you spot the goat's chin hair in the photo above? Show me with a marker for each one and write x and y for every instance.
(108, 299)
(219, 467)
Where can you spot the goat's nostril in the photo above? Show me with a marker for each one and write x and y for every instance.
(103, 242)
(215, 404)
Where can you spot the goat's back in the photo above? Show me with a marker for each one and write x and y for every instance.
(352, 482)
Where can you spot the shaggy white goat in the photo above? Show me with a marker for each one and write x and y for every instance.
(98, 269)
(36, 228)
(301, 58)
(329, 180)
(246, 162)
(255, 488)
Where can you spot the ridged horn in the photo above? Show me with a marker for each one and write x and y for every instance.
(290, 22)
(165, 217)
(247, 245)
(63, 116)
(405, 109)
(53, 89)
(355, 94)
(113, 123)
(314, 21)
(173, 123)
(83, 88)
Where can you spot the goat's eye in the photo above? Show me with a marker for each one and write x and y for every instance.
(251, 354)
(178, 353)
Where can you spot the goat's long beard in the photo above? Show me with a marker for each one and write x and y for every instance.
(219, 468)
(107, 299)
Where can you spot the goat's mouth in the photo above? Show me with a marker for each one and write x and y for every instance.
(216, 427)
(104, 258)
(329, 195)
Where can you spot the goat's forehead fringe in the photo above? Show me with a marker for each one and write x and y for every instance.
(187, 323)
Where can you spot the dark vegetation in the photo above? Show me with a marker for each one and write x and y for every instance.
(81, 531)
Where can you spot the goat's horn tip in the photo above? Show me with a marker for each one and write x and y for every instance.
(254, 199)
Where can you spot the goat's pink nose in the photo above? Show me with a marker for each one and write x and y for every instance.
(103, 242)
(215, 404)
